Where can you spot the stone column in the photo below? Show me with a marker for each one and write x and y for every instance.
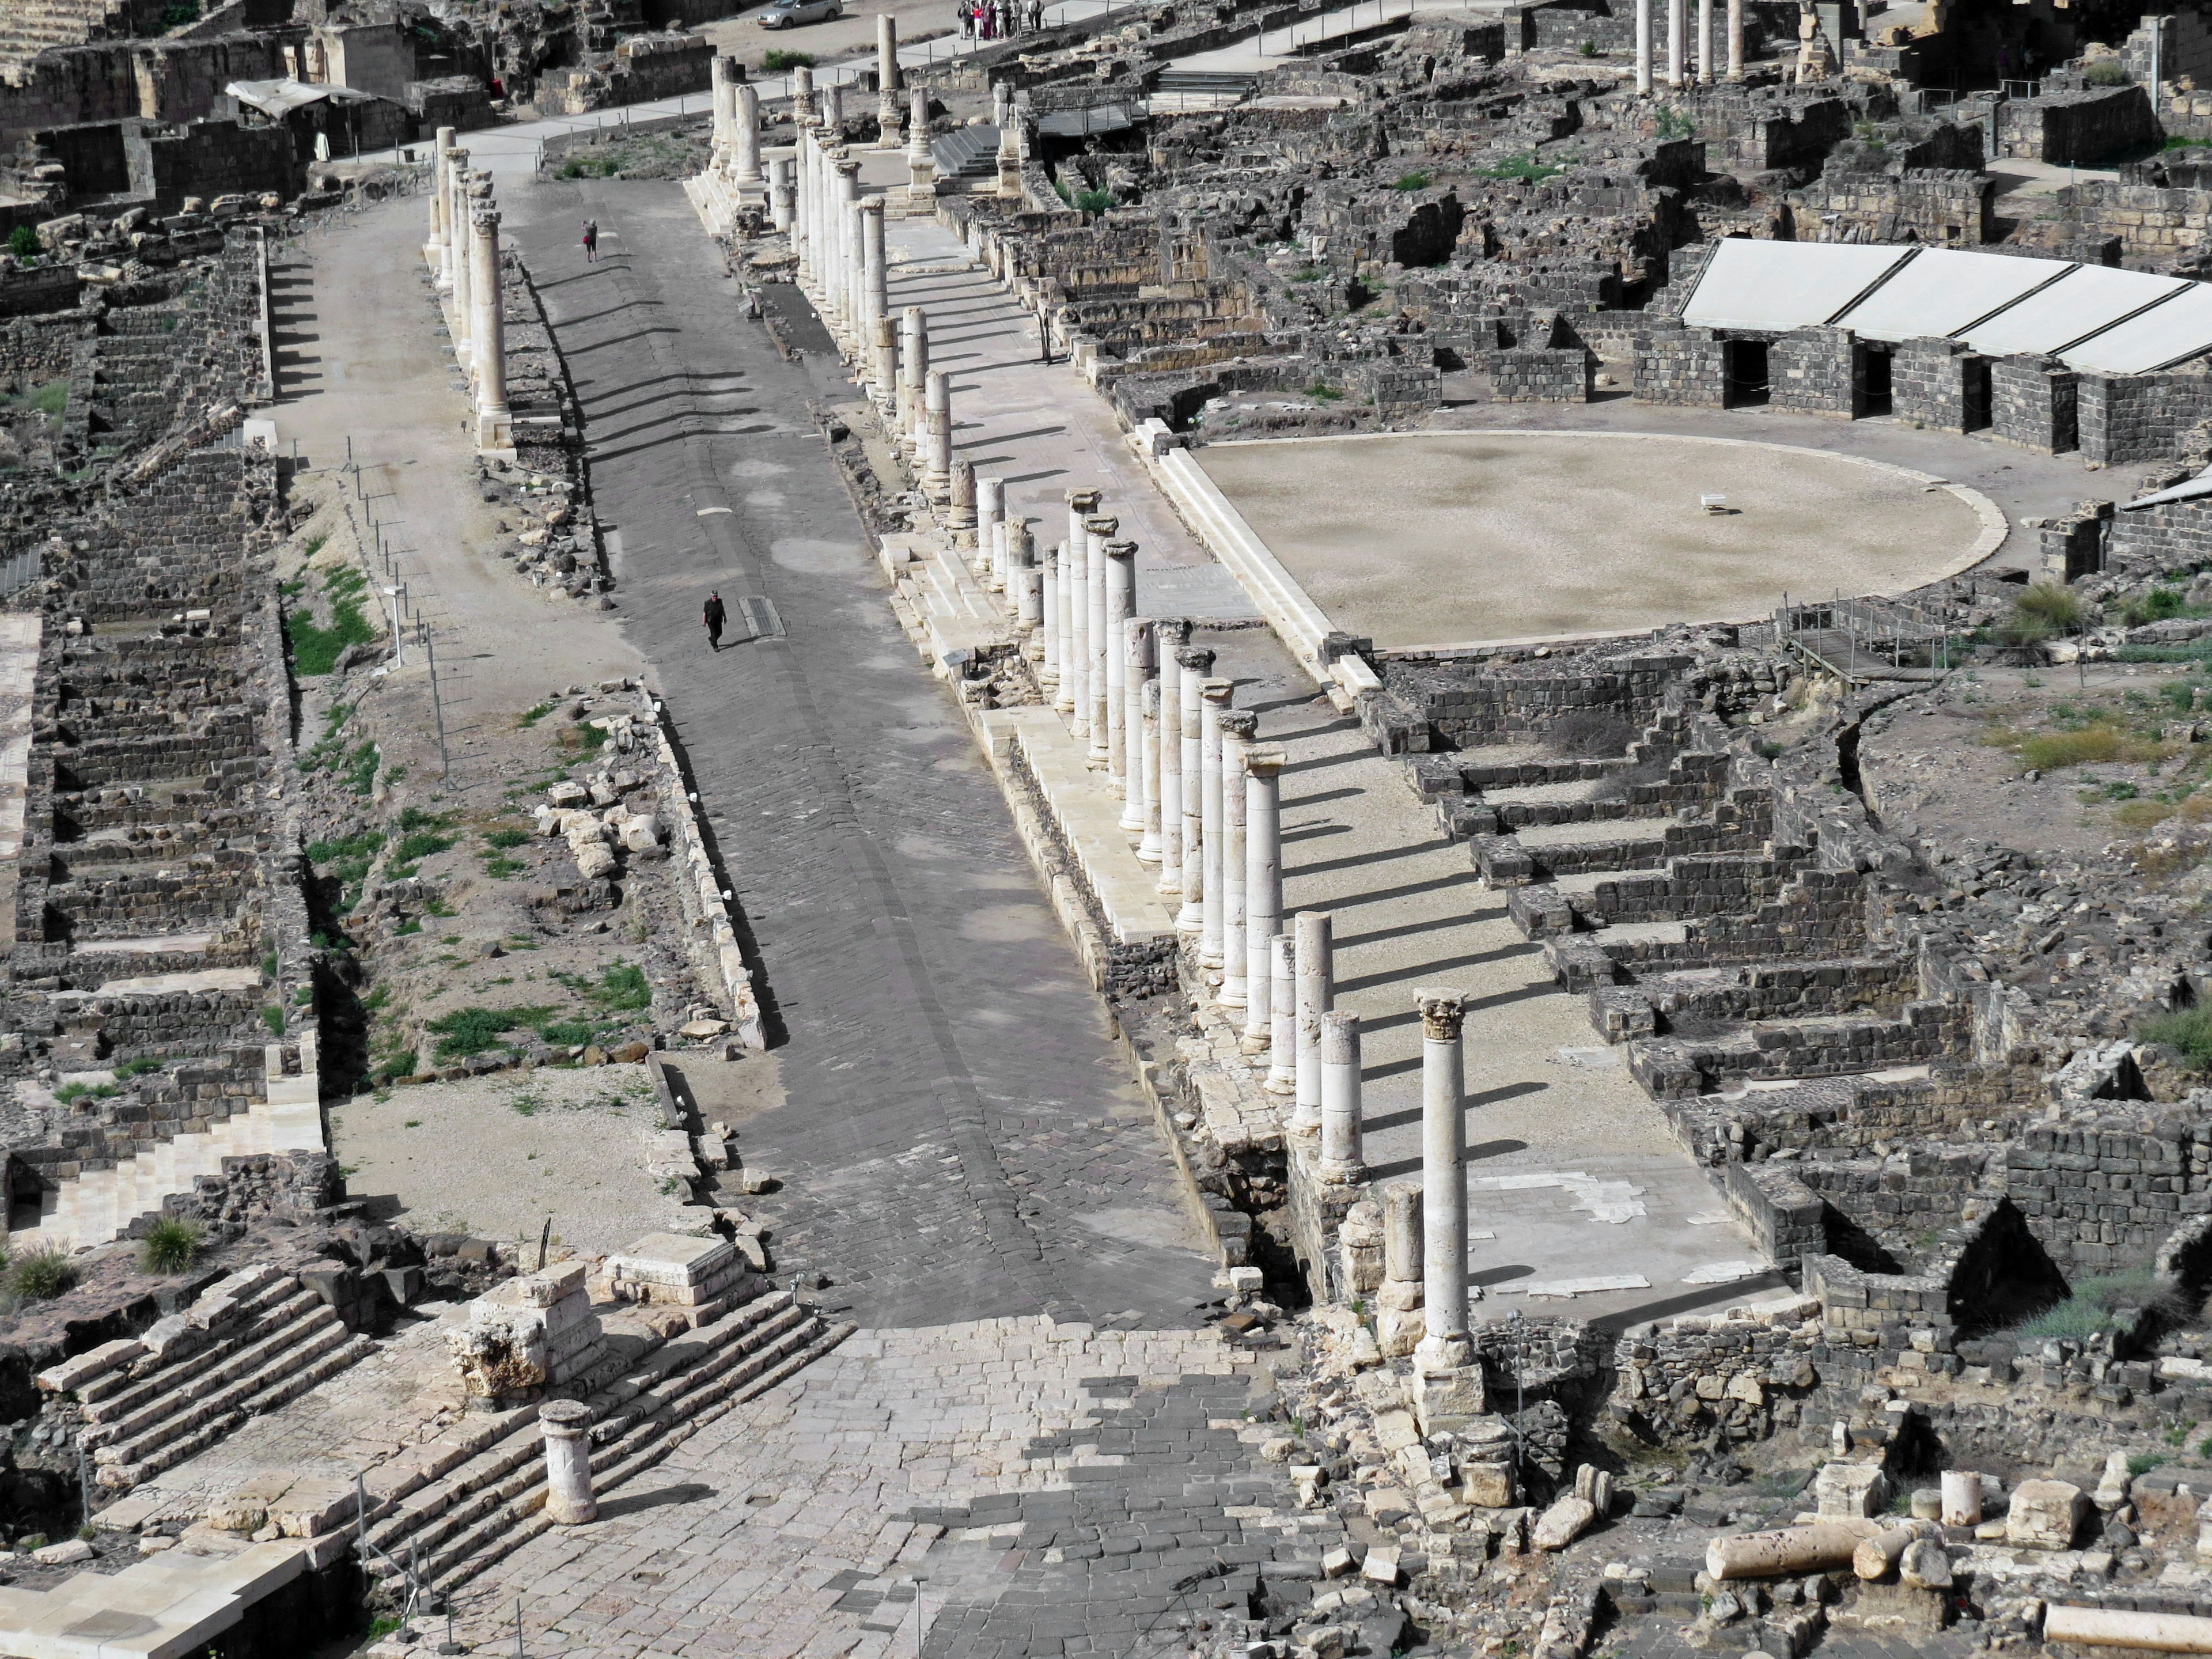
(921, 165)
(883, 362)
(1643, 47)
(851, 303)
(568, 1500)
(1444, 1180)
(452, 160)
(1009, 155)
(960, 499)
(1029, 598)
(781, 208)
(1341, 1158)
(1675, 21)
(495, 425)
(722, 86)
(1704, 43)
(887, 81)
(802, 204)
(1263, 892)
(937, 457)
(1048, 668)
(1195, 663)
(464, 306)
(1164, 833)
(1398, 1304)
(434, 253)
(1097, 637)
(1316, 996)
(1136, 654)
(914, 376)
(1283, 1011)
(1212, 821)
(1735, 39)
(875, 271)
(1117, 582)
(802, 95)
(990, 514)
(1075, 584)
(833, 111)
(1148, 846)
(1237, 728)
(1067, 582)
(747, 134)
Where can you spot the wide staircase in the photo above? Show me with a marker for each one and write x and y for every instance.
(246, 1345)
(454, 1506)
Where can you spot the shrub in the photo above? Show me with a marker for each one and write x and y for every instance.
(2109, 72)
(52, 398)
(2144, 1461)
(71, 1092)
(170, 1245)
(1323, 394)
(1589, 48)
(273, 1017)
(2188, 1030)
(2093, 1305)
(42, 1276)
(2157, 605)
(2087, 746)
(2044, 611)
(777, 58)
(24, 242)
(1593, 736)
(1414, 181)
(1094, 200)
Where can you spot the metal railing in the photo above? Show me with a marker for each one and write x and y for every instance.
(21, 571)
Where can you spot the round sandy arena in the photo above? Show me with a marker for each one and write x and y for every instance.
(1451, 537)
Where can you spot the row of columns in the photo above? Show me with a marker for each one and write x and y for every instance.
(1677, 21)
(462, 253)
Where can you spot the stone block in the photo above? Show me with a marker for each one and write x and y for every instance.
(1564, 1522)
(2045, 1515)
(1447, 1399)
(72, 1374)
(1849, 1489)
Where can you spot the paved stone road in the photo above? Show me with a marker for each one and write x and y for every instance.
(962, 1139)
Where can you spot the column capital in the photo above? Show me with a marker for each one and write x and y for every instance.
(870, 204)
(1241, 724)
(1441, 1013)
(1100, 525)
(486, 216)
(1264, 763)
(1116, 549)
(1195, 658)
(1217, 692)
(1084, 501)
(1174, 631)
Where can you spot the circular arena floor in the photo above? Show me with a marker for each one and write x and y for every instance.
(1419, 539)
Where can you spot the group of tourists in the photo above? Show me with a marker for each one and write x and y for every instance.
(997, 19)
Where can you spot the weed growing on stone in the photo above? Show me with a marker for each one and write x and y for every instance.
(43, 1276)
(316, 649)
(170, 1246)
(1414, 181)
(69, 1093)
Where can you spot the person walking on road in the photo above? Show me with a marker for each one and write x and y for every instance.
(713, 618)
(590, 241)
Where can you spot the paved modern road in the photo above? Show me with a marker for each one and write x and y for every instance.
(962, 1139)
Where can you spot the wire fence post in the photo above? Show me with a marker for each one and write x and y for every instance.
(438, 707)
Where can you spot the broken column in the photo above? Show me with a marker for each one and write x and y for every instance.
(914, 375)
(1163, 831)
(921, 165)
(1136, 654)
(875, 273)
(1195, 663)
(1316, 996)
(1263, 892)
(882, 361)
(1283, 1010)
(722, 73)
(802, 95)
(433, 251)
(1443, 1178)
(1048, 596)
(937, 452)
(569, 1500)
(1238, 727)
(1117, 582)
(1075, 637)
(781, 205)
(1398, 1303)
(960, 497)
(887, 81)
(495, 425)
(1029, 584)
(990, 514)
(1341, 1148)
(1216, 695)
(1098, 636)
(746, 132)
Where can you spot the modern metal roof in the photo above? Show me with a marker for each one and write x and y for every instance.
(2091, 317)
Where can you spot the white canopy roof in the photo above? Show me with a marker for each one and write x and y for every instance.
(1784, 285)
(1940, 291)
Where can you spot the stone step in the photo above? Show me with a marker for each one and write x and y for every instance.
(262, 1370)
(115, 1410)
(293, 1383)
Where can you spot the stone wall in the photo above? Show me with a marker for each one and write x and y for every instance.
(1681, 366)
(212, 158)
(1941, 383)
(1818, 370)
(114, 81)
(2141, 417)
(2075, 126)
(2034, 401)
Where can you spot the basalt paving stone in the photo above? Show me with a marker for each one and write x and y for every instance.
(962, 1138)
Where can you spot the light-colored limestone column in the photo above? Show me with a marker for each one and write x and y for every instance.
(441, 231)
(1444, 1180)
(1398, 1302)
(883, 362)
(1263, 892)
(1009, 155)
(1237, 728)
(1136, 654)
(802, 205)
(1064, 585)
(569, 1500)
(1148, 710)
(1195, 663)
(833, 111)
(913, 377)
(1704, 43)
(1316, 952)
(1075, 582)
(1643, 47)
(875, 271)
(1675, 21)
(782, 209)
(1735, 39)
(990, 515)
(745, 117)
(722, 89)
(960, 499)
(1213, 823)
(1283, 1016)
(1048, 668)
(1342, 1151)
(802, 95)
(452, 159)
(937, 458)
(463, 305)
(888, 82)
(1118, 581)
(1097, 636)
(495, 424)
(851, 304)
(1164, 812)
(920, 164)
(1029, 585)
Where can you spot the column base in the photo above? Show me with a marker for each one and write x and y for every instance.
(1233, 995)
(1187, 919)
(494, 429)
(1283, 1085)
(1255, 1043)
(561, 1512)
(1449, 1399)
(1334, 1173)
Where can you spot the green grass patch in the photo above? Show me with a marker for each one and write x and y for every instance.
(2096, 1303)
(623, 989)
(500, 867)
(2188, 1030)
(43, 1276)
(273, 1017)
(360, 768)
(52, 398)
(1095, 201)
(504, 837)
(348, 860)
(1323, 394)
(775, 58)
(170, 1246)
(2089, 746)
(316, 649)
(139, 1067)
(1525, 169)
(2143, 1462)
(530, 717)
(69, 1093)
(1416, 181)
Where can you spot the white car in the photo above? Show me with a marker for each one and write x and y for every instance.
(783, 14)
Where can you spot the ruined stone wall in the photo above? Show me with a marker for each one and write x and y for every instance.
(2035, 403)
(2156, 227)
(2141, 417)
(167, 81)
(1681, 366)
(1818, 370)
(1939, 382)
(2075, 126)
(2174, 536)
(2107, 1194)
